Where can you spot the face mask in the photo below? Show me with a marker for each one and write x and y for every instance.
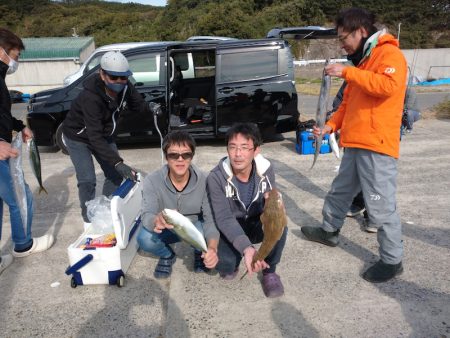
(115, 87)
(13, 65)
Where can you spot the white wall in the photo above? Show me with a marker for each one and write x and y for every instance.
(431, 63)
(33, 76)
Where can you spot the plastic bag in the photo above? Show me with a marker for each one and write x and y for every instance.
(99, 214)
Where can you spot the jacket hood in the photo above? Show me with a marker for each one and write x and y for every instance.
(377, 39)
(96, 86)
(261, 163)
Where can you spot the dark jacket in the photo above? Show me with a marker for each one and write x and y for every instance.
(93, 116)
(7, 122)
(233, 219)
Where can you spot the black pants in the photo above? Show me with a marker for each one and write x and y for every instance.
(230, 258)
(359, 200)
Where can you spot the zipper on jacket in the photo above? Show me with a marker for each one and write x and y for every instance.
(118, 108)
(81, 130)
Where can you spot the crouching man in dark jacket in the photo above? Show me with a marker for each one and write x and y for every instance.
(236, 187)
(91, 122)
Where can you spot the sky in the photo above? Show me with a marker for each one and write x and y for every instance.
(144, 2)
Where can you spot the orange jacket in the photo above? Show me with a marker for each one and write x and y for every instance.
(370, 114)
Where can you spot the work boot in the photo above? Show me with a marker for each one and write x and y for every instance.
(316, 234)
(381, 272)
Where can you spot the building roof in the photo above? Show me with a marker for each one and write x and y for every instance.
(54, 48)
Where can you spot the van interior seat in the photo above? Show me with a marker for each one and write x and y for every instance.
(198, 88)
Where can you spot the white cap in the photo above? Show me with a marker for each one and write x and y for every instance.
(115, 63)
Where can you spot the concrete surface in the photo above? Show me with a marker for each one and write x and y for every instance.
(324, 293)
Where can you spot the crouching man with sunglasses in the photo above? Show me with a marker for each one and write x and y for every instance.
(89, 127)
(181, 186)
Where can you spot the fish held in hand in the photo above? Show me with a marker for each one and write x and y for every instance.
(185, 229)
(334, 145)
(273, 221)
(321, 112)
(35, 162)
(15, 168)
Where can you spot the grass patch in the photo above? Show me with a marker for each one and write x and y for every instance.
(443, 109)
(312, 86)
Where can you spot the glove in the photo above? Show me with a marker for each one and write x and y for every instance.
(126, 171)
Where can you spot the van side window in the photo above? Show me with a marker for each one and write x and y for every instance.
(146, 69)
(204, 63)
(93, 62)
(250, 65)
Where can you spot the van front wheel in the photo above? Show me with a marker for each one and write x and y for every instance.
(60, 140)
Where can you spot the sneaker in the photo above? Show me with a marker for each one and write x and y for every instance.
(316, 234)
(5, 261)
(199, 265)
(164, 267)
(381, 272)
(39, 244)
(355, 210)
(272, 285)
(368, 226)
(229, 276)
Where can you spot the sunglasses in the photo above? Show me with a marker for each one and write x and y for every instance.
(116, 77)
(176, 156)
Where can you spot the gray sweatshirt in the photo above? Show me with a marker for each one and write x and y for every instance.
(234, 220)
(159, 193)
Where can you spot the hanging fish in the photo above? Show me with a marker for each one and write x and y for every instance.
(273, 221)
(35, 162)
(15, 168)
(321, 112)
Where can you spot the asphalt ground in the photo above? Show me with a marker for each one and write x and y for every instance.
(324, 293)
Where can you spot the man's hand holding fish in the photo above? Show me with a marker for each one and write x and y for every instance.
(260, 265)
(161, 224)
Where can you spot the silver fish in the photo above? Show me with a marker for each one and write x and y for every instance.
(184, 228)
(334, 145)
(15, 168)
(35, 162)
(321, 112)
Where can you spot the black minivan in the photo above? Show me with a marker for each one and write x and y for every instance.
(207, 85)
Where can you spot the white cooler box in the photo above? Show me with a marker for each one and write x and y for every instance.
(108, 265)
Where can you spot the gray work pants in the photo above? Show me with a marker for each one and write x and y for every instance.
(375, 174)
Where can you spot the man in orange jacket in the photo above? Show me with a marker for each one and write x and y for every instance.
(369, 120)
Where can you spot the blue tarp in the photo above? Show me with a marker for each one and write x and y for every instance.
(434, 83)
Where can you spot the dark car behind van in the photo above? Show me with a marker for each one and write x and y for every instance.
(208, 85)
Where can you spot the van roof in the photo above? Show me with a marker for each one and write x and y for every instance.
(126, 45)
(303, 33)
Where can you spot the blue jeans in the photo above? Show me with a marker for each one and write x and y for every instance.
(158, 244)
(21, 235)
(412, 116)
(81, 156)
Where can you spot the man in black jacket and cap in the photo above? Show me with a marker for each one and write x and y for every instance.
(90, 125)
